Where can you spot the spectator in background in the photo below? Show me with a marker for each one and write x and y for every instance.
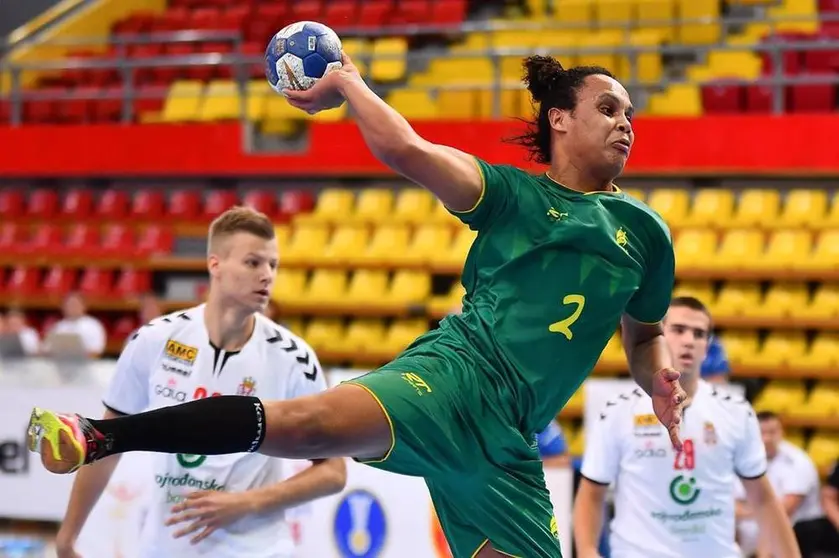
(715, 367)
(149, 308)
(76, 321)
(15, 323)
(552, 446)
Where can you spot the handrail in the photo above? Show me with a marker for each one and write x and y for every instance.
(39, 22)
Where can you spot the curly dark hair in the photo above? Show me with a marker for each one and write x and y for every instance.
(552, 86)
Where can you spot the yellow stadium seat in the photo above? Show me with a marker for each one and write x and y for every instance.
(305, 240)
(345, 241)
(386, 240)
(679, 99)
(414, 104)
(711, 207)
(259, 91)
(428, 241)
(577, 445)
(802, 208)
(577, 402)
(443, 305)
(373, 205)
(511, 66)
(442, 216)
(413, 205)
(289, 285)
(782, 300)
(455, 104)
(795, 16)
(362, 335)
(563, 45)
(735, 298)
(657, 15)
(611, 60)
(784, 250)
(183, 101)
(823, 353)
(636, 193)
(824, 304)
(649, 67)
(284, 127)
(326, 287)
(389, 59)
(823, 449)
(825, 254)
(756, 208)
(472, 41)
(451, 70)
(831, 220)
(701, 290)
(613, 354)
(671, 204)
(402, 333)
(325, 334)
(693, 247)
(509, 104)
(283, 235)
(575, 14)
(221, 101)
(699, 32)
(795, 436)
(331, 115)
(738, 344)
(277, 108)
(366, 287)
(455, 256)
(738, 249)
(333, 206)
(780, 348)
(726, 64)
(779, 396)
(408, 287)
(614, 14)
(357, 49)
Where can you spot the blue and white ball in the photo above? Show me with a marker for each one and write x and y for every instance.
(301, 54)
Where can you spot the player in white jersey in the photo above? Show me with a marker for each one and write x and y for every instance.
(224, 506)
(677, 504)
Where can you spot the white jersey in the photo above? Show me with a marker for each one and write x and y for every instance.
(669, 504)
(171, 361)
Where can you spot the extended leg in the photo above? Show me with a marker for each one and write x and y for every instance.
(345, 421)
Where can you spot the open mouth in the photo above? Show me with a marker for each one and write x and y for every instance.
(262, 292)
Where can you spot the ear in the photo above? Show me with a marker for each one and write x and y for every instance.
(213, 264)
(558, 119)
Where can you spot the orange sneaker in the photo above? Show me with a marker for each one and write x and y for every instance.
(65, 442)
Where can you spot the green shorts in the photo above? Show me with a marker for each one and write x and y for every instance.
(452, 428)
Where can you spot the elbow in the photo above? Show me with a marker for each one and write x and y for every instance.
(399, 151)
(338, 474)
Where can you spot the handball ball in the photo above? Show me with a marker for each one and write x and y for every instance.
(301, 54)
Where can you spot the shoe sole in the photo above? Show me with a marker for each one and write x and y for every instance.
(63, 454)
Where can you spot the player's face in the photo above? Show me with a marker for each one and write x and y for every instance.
(686, 331)
(599, 133)
(245, 269)
(772, 433)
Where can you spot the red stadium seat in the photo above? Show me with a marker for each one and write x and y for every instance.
(59, 281)
(445, 12)
(175, 19)
(24, 281)
(12, 203)
(205, 19)
(412, 12)
(217, 202)
(822, 61)
(43, 204)
(791, 60)
(96, 282)
(341, 14)
(375, 13)
(185, 205)
(154, 241)
(108, 109)
(722, 99)
(123, 328)
(306, 10)
(148, 205)
(45, 241)
(12, 235)
(117, 242)
(811, 98)
(297, 201)
(759, 98)
(234, 18)
(112, 205)
(82, 241)
(264, 201)
(77, 204)
(132, 282)
(78, 110)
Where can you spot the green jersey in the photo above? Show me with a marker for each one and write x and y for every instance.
(547, 279)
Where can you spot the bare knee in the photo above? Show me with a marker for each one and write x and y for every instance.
(298, 428)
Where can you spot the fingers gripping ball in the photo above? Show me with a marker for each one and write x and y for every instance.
(301, 54)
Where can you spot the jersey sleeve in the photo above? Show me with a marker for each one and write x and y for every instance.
(551, 441)
(128, 392)
(750, 453)
(498, 192)
(652, 299)
(307, 376)
(602, 456)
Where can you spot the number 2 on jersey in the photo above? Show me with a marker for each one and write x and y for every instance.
(564, 326)
(685, 459)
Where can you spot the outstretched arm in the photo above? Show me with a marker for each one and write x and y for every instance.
(449, 174)
(772, 518)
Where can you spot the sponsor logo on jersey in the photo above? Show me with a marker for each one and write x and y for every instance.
(360, 525)
(647, 425)
(247, 387)
(186, 483)
(170, 391)
(621, 238)
(175, 370)
(417, 383)
(684, 490)
(180, 352)
(650, 453)
(555, 215)
(710, 434)
(190, 461)
(689, 524)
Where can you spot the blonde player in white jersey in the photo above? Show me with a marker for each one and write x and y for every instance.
(677, 504)
(224, 506)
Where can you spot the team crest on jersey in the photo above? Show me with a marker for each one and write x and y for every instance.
(710, 433)
(247, 387)
(180, 352)
(647, 425)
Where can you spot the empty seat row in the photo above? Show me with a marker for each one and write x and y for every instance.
(84, 242)
(752, 98)
(145, 204)
(336, 341)
(780, 301)
(58, 281)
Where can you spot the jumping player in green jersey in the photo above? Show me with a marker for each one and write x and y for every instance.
(560, 260)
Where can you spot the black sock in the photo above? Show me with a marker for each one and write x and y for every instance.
(211, 426)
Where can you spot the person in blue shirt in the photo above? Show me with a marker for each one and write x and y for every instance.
(715, 367)
(552, 446)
